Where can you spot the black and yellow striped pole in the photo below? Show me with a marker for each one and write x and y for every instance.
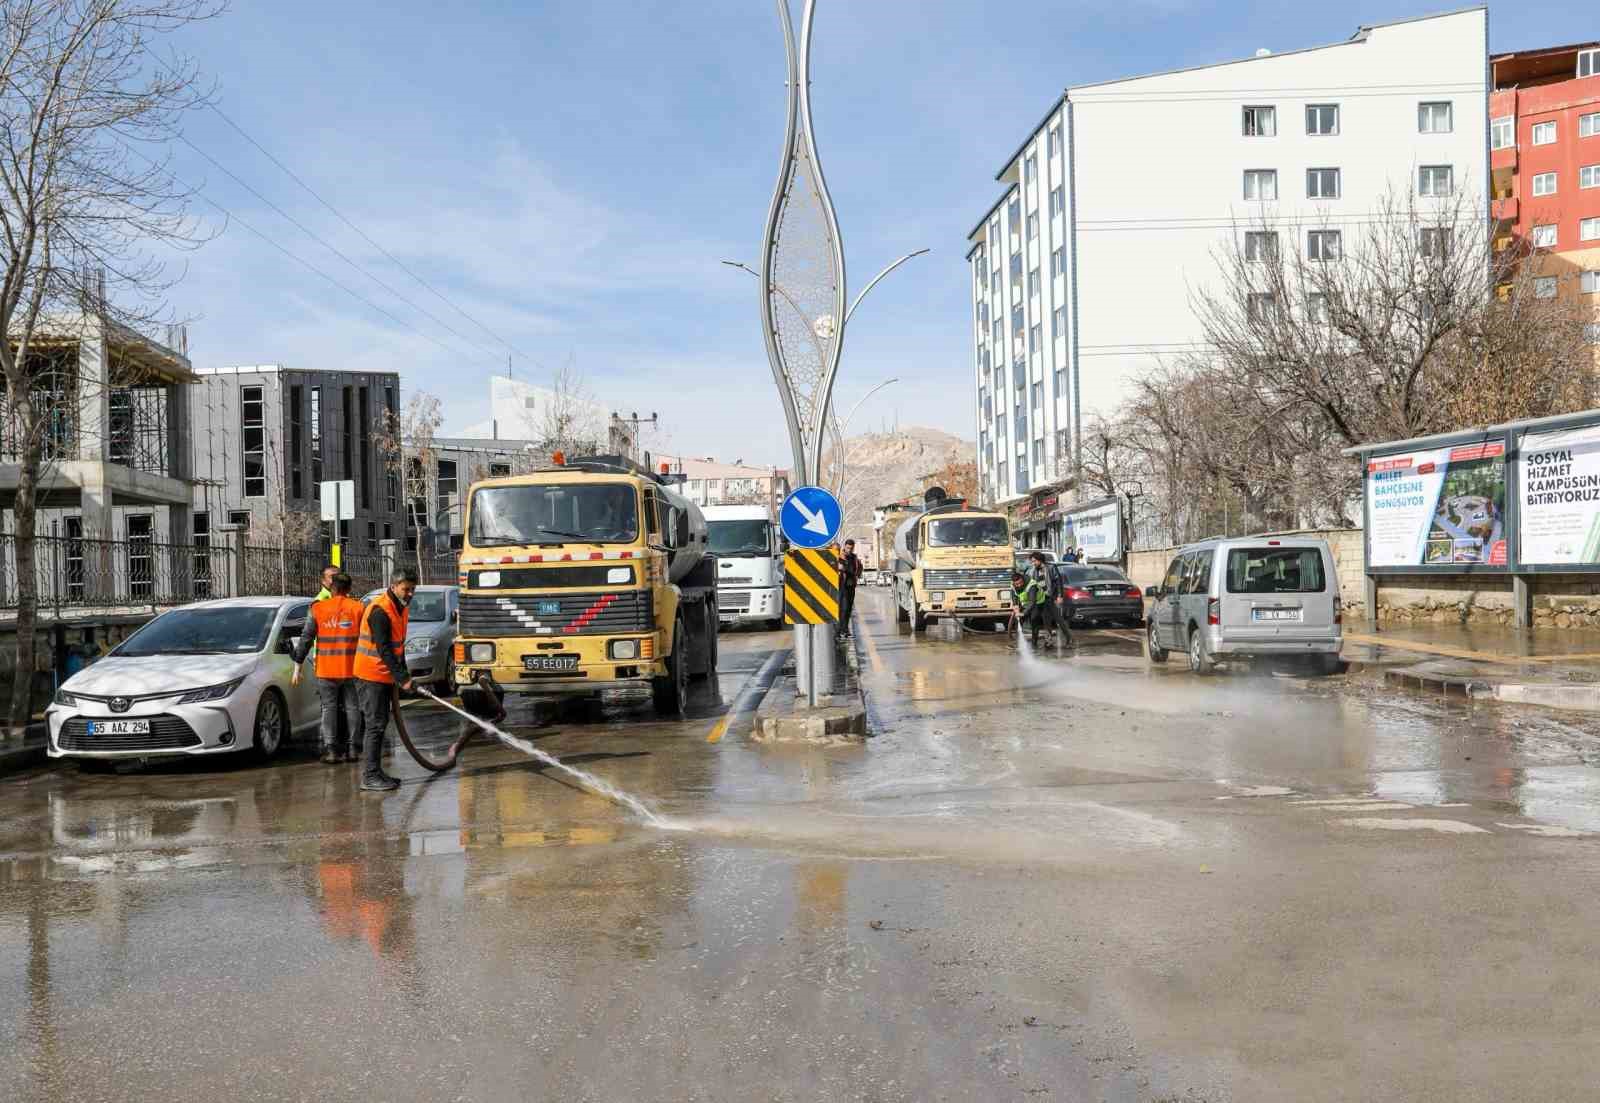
(811, 586)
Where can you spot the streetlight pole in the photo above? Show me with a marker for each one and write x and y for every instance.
(840, 466)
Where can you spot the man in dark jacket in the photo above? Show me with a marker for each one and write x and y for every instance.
(849, 575)
(380, 666)
(1051, 615)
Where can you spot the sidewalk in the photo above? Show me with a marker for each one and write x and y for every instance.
(19, 755)
(1553, 667)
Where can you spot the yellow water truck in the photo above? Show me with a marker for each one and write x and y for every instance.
(590, 575)
(954, 562)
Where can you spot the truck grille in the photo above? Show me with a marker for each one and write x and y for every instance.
(167, 733)
(735, 580)
(737, 599)
(564, 614)
(528, 578)
(967, 578)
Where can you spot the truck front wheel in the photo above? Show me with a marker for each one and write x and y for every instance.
(672, 690)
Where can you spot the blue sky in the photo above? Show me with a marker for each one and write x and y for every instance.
(570, 173)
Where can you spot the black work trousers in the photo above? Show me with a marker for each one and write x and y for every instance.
(847, 606)
(341, 714)
(375, 698)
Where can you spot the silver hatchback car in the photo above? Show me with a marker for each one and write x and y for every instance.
(1257, 596)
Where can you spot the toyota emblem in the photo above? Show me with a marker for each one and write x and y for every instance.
(120, 704)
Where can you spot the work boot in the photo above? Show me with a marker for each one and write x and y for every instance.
(352, 753)
(373, 779)
(331, 757)
(383, 783)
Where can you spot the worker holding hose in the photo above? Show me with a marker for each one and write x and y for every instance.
(380, 667)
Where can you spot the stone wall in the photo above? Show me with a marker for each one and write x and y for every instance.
(1559, 601)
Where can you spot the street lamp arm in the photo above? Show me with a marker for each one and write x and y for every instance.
(874, 281)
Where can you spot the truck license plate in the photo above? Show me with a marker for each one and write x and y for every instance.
(969, 603)
(550, 662)
(119, 727)
(1275, 614)
(549, 608)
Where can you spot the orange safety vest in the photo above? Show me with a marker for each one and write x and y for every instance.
(338, 627)
(369, 664)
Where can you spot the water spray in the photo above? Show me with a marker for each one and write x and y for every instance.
(588, 781)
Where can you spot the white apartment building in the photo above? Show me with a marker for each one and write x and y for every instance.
(1117, 203)
(709, 483)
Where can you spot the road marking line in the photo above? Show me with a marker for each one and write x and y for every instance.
(719, 730)
(1445, 827)
(750, 694)
(1545, 830)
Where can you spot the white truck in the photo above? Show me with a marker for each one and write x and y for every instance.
(749, 565)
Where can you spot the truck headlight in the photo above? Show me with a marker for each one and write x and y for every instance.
(480, 652)
(1003, 595)
(936, 596)
(209, 693)
(419, 646)
(623, 649)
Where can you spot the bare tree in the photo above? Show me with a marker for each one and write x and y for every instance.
(406, 441)
(82, 204)
(571, 421)
(1316, 339)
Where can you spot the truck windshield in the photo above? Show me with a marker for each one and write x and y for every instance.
(592, 513)
(950, 532)
(735, 539)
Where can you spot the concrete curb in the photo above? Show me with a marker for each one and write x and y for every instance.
(1574, 698)
(783, 718)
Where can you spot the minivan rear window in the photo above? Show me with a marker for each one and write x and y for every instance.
(1275, 571)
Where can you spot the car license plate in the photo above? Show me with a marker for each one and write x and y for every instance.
(119, 727)
(1108, 591)
(549, 608)
(550, 662)
(1275, 614)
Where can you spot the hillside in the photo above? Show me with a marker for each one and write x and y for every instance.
(882, 467)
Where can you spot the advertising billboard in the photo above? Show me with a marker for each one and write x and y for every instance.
(1558, 521)
(1096, 530)
(1438, 506)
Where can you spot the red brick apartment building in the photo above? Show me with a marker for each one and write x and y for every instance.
(1544, 159)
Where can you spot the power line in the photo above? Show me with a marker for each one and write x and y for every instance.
(314, 236)
(354, 294)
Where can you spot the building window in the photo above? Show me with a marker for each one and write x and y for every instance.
(999, 331)
(1053, 142)
(1014, 215)
(1057, 203)
(1260, 122)
(316, 443)
(1056, 264)
(1544, 183)
(1033, 225)
(1033, 339)
(1323, 245)
(1589, 282)
(1059, 388)
(1038, 453)
(1261, 184)
(141, 556)
(1591, 333)
(1033, 281)
(1436, 180)
(1589, 125)
(1502, 132)
(1030, 169)
(1588, 63)
(1317, 308)
(1260, 245)
(1434, 241)
(1544, 134)
(1544, 287)
(1434, 118)
(1322, 183)
(372, 534)
(1589, 229)
(1544, 237)
(1322, 118)
(994, 282)
(366, 448)
(1589, 176)
(1038, 395)
(297, 452)
(253, 431)
(1058, 320)
(347, 432)
(445, 486)
(1259, 305)
(239, 519)
(1017, 322)
(1016, 267)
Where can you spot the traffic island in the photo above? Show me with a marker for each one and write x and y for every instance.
(840, 716)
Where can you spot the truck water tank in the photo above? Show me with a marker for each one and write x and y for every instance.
(690, 543)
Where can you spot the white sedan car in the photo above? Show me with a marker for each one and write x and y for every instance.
(209, 678)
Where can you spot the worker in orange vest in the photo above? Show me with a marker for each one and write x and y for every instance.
(332, 629)
(380, 666)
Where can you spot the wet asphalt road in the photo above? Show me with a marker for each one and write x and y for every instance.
(1068, 878)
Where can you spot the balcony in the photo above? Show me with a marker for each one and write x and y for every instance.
(1504, 210)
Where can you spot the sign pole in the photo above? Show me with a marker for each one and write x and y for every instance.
(338, 511)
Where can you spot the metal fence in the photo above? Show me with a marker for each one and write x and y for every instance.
(78, 575)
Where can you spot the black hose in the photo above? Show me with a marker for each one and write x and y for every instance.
(449, 761)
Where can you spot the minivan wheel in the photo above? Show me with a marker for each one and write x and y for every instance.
(1158, 654)
(1199, 661)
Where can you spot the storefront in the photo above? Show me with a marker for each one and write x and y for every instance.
(1036, 521)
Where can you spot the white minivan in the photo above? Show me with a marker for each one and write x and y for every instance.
(1248, 597)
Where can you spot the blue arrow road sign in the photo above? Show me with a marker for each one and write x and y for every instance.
(810, 517)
